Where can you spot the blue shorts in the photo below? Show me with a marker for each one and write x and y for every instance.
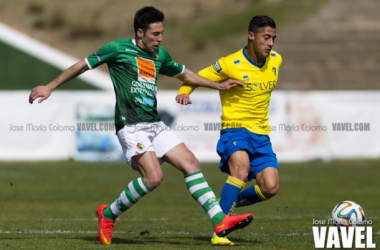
(258, 147)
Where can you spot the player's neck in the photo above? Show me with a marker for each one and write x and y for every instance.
(140, 44)
(253, 56)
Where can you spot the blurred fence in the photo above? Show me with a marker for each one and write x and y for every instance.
(79, 124)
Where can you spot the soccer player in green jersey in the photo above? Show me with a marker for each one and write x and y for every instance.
(244, 145)
(146, 142)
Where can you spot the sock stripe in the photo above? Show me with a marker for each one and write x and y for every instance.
(196, 181)
(138, 188)
(259, 193)
(194, 177)
(210, 203)
(200, 192)
(130, 196)
(133, 191)
(143, 185)
(197, 187)
(120, 205)
(205, 197)
(235, 182)
(188, 175)
(115, 210)
(125, 200)
(214, 211)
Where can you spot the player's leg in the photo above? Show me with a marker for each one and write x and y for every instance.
(238, 165)
(267, 186)
(268, 181)
(184, 160)
(138, 151)
(233, 149)
(264, 168)
(151, 176)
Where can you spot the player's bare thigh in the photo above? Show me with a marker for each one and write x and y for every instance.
(149, 168)
(182, 159)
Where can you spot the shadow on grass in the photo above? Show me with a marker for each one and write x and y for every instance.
(201, 240)
(236, 241)
(137, 241)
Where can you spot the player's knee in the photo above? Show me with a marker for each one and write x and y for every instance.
(241, 174)
(270, 190)
(154, 181)
(192, 165)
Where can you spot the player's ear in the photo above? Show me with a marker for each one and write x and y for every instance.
(140, 33)
(251, 36)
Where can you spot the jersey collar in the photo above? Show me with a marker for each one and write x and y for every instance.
(155, 56)
(250, 60)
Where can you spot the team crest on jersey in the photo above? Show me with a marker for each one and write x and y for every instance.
(146, 70)
(217, 66)
(140, 146)
(274, 70)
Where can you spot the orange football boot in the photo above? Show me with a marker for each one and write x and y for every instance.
(231, 223)
(105, 226)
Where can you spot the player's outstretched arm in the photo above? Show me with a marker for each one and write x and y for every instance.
(43, 92)
(192, 78)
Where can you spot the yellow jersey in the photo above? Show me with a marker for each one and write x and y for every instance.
(246, 106)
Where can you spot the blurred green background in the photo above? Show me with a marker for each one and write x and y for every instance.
(325, 44)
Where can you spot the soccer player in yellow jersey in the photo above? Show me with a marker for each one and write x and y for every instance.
(244, 146)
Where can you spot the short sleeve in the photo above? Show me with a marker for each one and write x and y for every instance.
(170, 67)
(218, 71)
(105, 54)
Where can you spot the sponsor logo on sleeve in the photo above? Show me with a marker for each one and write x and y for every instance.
(97, 56)
(217, 67)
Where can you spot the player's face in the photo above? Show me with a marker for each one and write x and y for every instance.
(152, 38)
(263, 41)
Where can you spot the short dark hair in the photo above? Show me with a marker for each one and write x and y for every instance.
(145, 16)
(258, 22)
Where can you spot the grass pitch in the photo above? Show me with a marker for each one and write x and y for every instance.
(52, 206)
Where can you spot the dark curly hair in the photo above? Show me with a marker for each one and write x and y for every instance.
(145, 16)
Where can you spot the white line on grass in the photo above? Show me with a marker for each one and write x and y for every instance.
(62, 231)
(95, 219)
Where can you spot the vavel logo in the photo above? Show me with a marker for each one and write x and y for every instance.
(343, 237)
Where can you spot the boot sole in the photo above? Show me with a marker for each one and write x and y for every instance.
(239, 225)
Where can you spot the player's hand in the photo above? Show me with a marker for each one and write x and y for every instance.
(183, 99)
(229, 84)
(42, 92)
